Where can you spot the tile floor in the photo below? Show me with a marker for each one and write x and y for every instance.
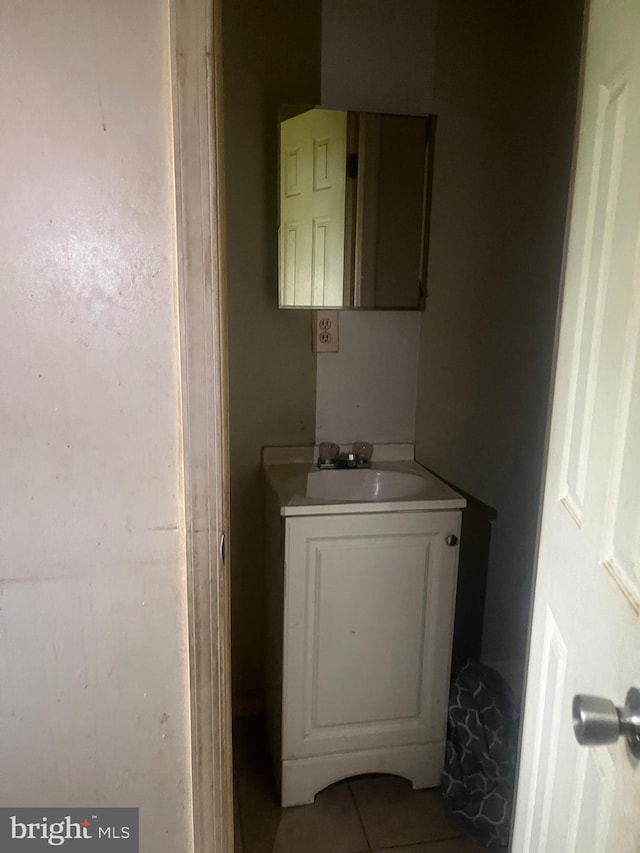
(361, 815)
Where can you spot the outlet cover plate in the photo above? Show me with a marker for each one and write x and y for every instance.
(324, 331)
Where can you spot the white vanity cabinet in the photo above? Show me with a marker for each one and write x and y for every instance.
(361, 612)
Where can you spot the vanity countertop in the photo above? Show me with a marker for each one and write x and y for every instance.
(394, 483)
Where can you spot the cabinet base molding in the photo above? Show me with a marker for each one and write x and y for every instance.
(302, 778)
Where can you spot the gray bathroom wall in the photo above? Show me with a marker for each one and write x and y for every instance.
(271, 55)
(505, 98)
(379, 56)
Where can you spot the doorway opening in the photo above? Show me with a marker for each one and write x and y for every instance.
(483, 347)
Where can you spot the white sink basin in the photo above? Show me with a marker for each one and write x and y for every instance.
(363, 484)
(391, 485)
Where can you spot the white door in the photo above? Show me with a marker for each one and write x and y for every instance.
(313, 172)
(586, 618)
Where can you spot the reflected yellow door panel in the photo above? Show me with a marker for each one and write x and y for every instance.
(313, 150)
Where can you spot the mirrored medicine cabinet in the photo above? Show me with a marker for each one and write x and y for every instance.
(354, 208)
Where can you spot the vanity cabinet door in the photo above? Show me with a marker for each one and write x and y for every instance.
(369, 602)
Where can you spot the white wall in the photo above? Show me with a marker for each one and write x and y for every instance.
(367, 390)
(381, 57)
(93, 704)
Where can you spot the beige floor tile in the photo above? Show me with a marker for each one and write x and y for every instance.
(330, 825)
(454, 845)
(259, 813)
(395, 815)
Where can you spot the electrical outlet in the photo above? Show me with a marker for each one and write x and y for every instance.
(324, 331)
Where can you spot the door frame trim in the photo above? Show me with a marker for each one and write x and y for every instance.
(196, 91)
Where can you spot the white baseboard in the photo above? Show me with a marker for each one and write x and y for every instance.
(302, 778)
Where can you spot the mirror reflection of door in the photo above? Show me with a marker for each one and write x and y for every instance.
(389, 251)
(354, 205)
(313, 151)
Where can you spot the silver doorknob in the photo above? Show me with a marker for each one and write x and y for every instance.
(451, 539)
(597, 721)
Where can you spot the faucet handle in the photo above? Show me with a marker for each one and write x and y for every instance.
(328, 452)
(364, 452)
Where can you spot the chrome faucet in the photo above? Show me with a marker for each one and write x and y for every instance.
(329, 455)
(363, 451)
